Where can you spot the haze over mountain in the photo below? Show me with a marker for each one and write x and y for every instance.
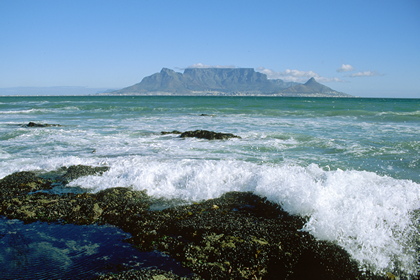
(224, 81)
(57, 90)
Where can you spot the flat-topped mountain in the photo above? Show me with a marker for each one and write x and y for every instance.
(223, 81)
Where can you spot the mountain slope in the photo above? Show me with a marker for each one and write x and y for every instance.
(222, 81)
(312, 88)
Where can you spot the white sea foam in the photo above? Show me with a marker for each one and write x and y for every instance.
(27, 111)
(371, 216)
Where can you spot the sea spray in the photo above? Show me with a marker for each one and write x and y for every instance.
(371, 216)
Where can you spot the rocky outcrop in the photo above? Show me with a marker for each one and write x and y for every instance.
(22, 183)
(170, 132)
(204, 134)
(76, 171)
(237, 236)
(242, 236)
(33, 124)
(20, 200)
(210, 135)
(146, 274)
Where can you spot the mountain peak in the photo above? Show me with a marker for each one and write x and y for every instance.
(313, 88)
(311, 81)
(166, 71)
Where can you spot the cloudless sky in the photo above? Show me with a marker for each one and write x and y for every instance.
(364, 48)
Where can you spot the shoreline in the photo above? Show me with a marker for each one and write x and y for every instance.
(236, 236)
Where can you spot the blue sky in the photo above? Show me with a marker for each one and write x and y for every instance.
(365, 48)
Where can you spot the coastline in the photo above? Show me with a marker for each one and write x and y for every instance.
(236, 236)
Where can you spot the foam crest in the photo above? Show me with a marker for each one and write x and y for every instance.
(368, 215)
(371, 216)
(191, 180)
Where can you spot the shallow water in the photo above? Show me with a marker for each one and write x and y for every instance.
(47, 251)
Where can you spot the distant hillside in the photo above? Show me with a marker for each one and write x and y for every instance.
(312, 88)
(69, 90)
(223, 81)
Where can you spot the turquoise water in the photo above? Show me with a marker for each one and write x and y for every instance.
(352, 166)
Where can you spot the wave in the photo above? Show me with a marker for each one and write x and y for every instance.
(411, 113)
(371, 216)
(26, 111)
(41, 110)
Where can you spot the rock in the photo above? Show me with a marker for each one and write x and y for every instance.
(122, 205)
(171, 132)
(21, 183)
(76, 171)
(32, 124)
(205, 134)
(69, 208)
(18, 202)
(244, 237)
(210, 135)
(117, 206)
(145, 274)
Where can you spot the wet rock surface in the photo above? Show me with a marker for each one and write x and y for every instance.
(33, 124)
(76, 171)
(145, 274)
(210, 135)
(171, 132)
(237, 236)
(203, 134)
(21, 183)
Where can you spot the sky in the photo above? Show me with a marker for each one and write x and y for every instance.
(364, 48)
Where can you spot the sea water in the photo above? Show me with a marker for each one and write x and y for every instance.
(350, 166)
(55, 251)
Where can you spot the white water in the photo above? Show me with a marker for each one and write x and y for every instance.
(370, 216)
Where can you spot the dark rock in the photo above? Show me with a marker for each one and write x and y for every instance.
(21, 183)
(210, 135)
(171, 132)
(145, 274)
(32, 124)
(120, 206)
(69, 208)
(76, 171)
(241, 236)
(114, 206)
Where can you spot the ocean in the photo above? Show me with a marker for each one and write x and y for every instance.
(350, 165)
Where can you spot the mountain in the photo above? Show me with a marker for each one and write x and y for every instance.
(203, 81)
(222, 81)
(312, 89)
